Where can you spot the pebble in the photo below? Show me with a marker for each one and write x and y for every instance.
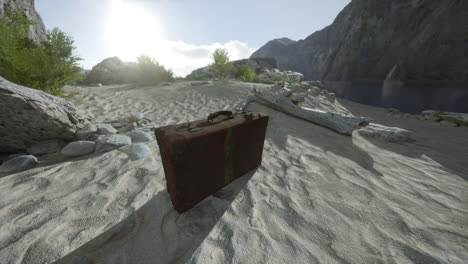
(87, 131)
(111, 142)
(136, 151)
(105, 129)
(78, 148)
(19, 163)
(139, 136)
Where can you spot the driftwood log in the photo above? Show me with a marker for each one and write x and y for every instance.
(285, 102)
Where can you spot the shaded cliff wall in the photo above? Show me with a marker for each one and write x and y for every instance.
(386, 39)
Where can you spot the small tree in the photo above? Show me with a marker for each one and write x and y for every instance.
(150, 70)
(221, 64)
(48, 65)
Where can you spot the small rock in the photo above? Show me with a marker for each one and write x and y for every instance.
(139, 136)
(95, 137)
(19, 163)
(78, 148)
(105, 129)
(448, 123)
(46, 147)
(135, 117)
(166, 84)
(136, 151)
(391, 134)
(314, 91)
(111, 142)
(118, 125)
(86, 131)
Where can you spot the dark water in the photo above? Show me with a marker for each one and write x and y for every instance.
(409, 97)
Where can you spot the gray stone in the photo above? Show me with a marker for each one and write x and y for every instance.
(139, 136)
(378, 40)
(28, 116)
(46, 147)
(19, 163)
(111, 142)
(86, 131)
(391, 134)
(113, 71)
(79, 148)
(136, 151)
(135, 116)
(105, 129)
(166, 84)
(118, 125)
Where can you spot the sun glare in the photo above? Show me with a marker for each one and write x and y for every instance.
(131, 31)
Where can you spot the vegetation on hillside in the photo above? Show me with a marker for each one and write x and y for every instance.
(247, 74)
(221, 64)
(47, 65)
(149, 70)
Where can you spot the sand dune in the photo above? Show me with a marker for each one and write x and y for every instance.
(318, 197)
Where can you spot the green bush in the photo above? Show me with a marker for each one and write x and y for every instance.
(221, 65)
(48, 65)
(247, 74)
(150, 70)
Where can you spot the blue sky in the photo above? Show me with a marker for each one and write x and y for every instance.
(181, 34)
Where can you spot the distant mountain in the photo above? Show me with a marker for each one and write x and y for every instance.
(37, 31)
(384, 39)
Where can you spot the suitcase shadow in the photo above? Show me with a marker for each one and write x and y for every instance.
(156, 233)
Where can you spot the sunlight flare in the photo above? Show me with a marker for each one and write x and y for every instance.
(132, 31)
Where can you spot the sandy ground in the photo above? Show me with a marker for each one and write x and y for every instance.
(318, 197)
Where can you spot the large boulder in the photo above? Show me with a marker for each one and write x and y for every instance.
(257, 64)
(113, 71)
(37, 30)
(378, 40)
(29, 116)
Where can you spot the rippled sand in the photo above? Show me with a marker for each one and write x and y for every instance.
(318, 197)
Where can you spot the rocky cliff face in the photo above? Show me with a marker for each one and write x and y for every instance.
(385, 39)
(36, 31)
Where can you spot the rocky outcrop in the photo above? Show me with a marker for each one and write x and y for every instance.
(274, 75)
(37, 30)
(112, 71)
(382, 40)
(257, 64)
(28, 116)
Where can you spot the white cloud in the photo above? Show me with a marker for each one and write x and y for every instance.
(131, 30)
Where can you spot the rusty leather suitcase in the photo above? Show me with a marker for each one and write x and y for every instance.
(201, 157)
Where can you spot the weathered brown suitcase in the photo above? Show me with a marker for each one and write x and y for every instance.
(201, 157)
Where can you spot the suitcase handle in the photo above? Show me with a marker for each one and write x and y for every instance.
(214, 115)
